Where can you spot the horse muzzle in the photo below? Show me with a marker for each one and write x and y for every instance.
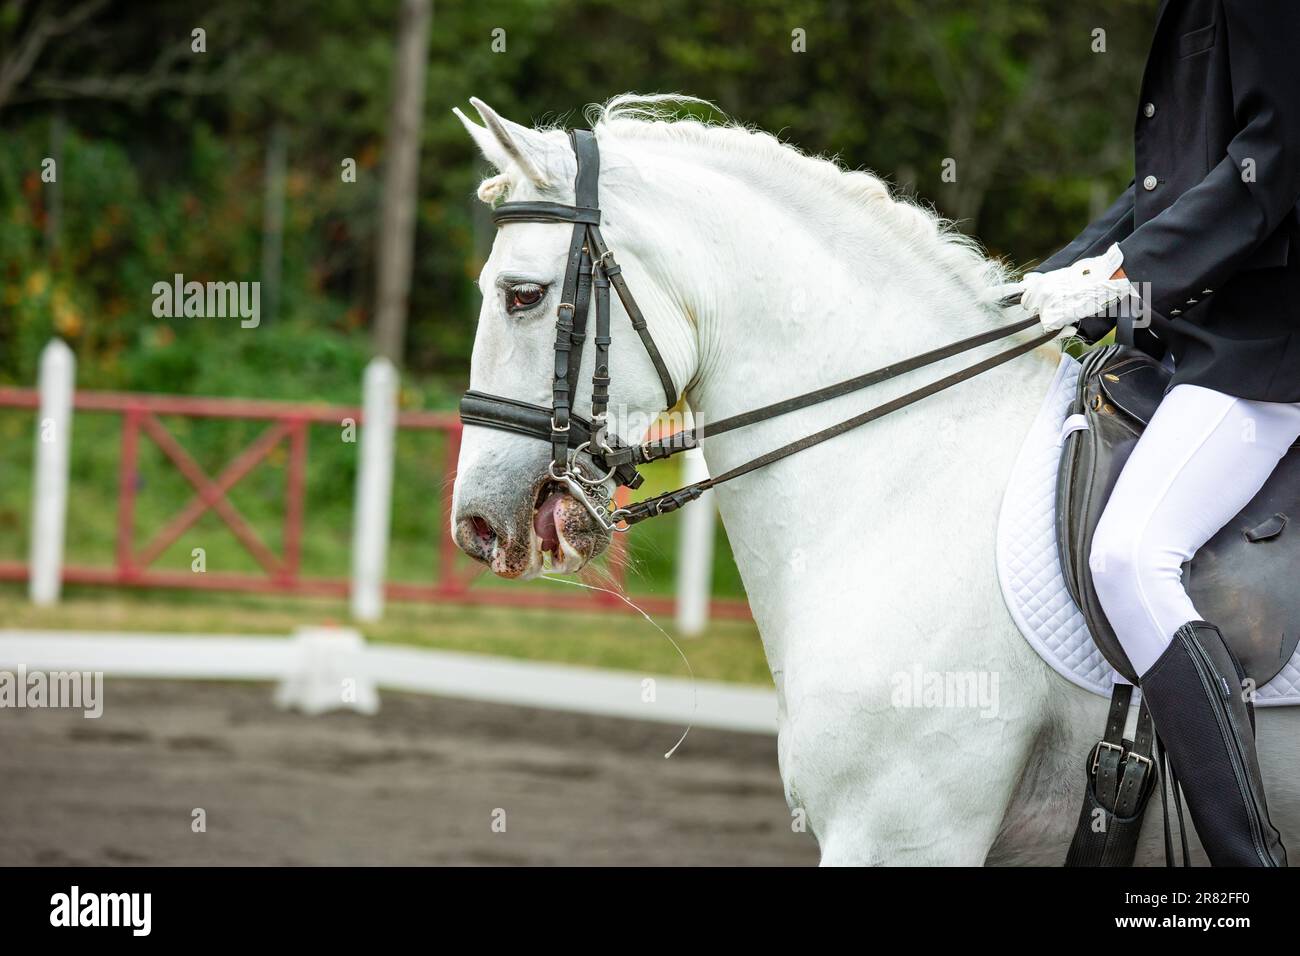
(557, 532)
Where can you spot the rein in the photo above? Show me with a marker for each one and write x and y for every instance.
(672, 500)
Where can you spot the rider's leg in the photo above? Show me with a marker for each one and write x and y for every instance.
(1202, 459)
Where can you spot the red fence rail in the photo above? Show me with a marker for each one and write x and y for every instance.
(287, 423)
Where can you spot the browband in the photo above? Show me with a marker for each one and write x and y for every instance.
(544, 212)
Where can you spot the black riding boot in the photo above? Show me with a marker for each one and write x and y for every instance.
(1194, 692)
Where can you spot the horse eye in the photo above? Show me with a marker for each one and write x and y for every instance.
(524, 296)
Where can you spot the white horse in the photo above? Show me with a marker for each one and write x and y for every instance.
(869, 559)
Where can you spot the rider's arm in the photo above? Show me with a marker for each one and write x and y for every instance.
(1212, 229)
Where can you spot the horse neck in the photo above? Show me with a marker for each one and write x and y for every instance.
(781, 308)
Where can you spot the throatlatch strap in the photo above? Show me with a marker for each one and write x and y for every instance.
(615, 273)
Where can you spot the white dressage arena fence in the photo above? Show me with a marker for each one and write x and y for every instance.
(318, 669)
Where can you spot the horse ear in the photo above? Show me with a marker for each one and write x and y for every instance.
(504, 143)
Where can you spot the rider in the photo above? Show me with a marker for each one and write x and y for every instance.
(1205, 244)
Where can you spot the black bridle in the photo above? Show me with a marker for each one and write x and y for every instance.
(591, 266)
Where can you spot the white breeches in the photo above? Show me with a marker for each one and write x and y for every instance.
(1202, 459)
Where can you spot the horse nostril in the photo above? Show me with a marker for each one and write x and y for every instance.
(476, 537)
(482, 530)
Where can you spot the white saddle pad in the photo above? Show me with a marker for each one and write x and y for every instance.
(1029, 567)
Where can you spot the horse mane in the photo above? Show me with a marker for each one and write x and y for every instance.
(849, 197)
(853, 194)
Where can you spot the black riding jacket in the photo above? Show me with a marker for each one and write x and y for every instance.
(1210, 228)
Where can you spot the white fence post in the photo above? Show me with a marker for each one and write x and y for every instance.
(372, 512)
(695, 551)
(50, 480)
(330, 672)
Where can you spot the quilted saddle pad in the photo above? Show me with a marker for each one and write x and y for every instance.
(1029, 567)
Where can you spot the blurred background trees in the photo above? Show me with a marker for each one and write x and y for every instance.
(162, 152)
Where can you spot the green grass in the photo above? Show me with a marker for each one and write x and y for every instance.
(727, 651)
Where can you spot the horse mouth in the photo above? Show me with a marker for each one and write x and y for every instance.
(564, 534)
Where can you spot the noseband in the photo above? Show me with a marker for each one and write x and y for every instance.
(591, 266)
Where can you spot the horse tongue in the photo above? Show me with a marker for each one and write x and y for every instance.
(544, 522)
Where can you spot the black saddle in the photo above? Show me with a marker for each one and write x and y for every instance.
(1244, 579)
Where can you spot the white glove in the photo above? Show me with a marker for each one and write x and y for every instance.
(1064, 296)
(1080, 268)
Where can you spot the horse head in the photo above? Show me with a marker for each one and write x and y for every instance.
(511, 510)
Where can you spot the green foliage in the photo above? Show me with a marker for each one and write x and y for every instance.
(153, 184)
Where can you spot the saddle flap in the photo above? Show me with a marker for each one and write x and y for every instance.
(1135, 384)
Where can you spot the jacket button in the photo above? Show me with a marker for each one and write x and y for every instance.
(1149, 110)
(1149, 183)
